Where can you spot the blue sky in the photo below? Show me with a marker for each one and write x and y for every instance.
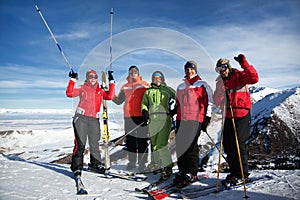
(155, 35)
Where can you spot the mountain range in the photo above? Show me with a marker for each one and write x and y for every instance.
(275, 130)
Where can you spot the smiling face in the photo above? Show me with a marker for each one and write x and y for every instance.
(190, 72)
(133, 73)
(225, 73)
(157, 80)
(92, 78)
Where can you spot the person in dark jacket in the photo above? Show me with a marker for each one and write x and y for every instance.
(131, 94)
(86, 119)
(232, 90)
(194, 104)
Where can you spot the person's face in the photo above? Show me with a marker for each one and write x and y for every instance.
(189, 72)
(157, 80)
(133, 73)
(225, 73)
(223, 70)
(93, 78)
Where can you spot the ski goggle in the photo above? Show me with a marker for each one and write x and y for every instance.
(221, 68)
(90, 76)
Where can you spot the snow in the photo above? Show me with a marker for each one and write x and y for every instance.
(32, 139)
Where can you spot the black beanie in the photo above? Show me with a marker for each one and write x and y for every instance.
(190, 64)
(134, 67)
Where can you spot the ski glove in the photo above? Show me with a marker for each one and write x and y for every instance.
(205, 123)
(73, 74)
(110, 76)
(241, 59)
(145, 114)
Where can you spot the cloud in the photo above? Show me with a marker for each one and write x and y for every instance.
(269, 45)
(74, 35)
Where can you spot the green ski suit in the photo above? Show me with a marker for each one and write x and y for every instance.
(156, 101)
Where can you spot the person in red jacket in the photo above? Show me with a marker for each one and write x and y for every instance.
(132, 94)
(232, 90)
(86, 119)
(194, 104)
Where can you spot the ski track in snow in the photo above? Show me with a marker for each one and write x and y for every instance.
(23, 179)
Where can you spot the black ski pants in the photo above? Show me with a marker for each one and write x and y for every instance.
(85, 128)
(243, 125)
(137, 141)
(187, 150)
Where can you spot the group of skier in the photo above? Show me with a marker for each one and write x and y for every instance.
(152, 110)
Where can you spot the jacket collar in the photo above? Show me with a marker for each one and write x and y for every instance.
(192, 80)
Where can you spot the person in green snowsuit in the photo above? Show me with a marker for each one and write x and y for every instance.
(158, 108)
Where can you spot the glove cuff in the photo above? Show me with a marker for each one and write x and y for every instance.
(74, 79)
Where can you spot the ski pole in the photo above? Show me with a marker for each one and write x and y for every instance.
(221, 145)
(51, 33)
(215, 145)
(122, 138)
(238, 150)
(110, 41)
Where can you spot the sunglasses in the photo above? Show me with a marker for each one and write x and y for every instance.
(133, 72)
(221, 68)
(90, 76)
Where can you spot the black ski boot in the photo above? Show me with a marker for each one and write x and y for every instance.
(100, 168)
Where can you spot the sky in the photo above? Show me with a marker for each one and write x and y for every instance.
(154, 35)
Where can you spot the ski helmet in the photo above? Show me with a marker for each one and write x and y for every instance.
(160, 74)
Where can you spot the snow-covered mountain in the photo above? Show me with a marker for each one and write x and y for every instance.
(275, 132)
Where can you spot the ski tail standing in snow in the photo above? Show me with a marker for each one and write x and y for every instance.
(131, 94)
(194, 105)
(155, 109)
(105, 134)
(86, 119)
(232, 84)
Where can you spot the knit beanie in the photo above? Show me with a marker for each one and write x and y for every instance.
(134, 67)
(190, 64)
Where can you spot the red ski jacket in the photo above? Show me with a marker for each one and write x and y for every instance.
(132, 93)
(193, 100)
(237, 90)
(90, 97)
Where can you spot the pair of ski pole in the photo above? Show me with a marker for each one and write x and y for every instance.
(237, 146)
(59, 47)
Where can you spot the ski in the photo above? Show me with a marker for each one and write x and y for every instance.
(211, 189)
(79, 186)
(121, 174)
(161, 193)
(151, 186)
(105, 136)
(126, 176)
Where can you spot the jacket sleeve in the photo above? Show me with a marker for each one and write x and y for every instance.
(145, 102)
(109, 95)
(218, 95)
(209, 95)
(71, 91)
(250, 75)
(120, 98)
